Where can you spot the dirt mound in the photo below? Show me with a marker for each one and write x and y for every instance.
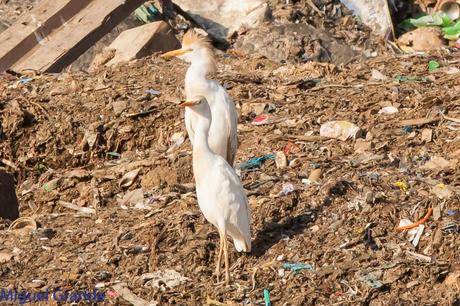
(70, 139)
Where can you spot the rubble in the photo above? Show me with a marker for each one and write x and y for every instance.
(223, 18)
(282, 43)
(422, 39)
(374, 13)
(142, 41)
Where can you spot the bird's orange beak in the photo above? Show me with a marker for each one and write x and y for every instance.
(177, 52)
(189, 103)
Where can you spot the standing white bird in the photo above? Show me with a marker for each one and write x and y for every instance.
(198, 51)
(220, 195)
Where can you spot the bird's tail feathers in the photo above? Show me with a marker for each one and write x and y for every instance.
(242, 245)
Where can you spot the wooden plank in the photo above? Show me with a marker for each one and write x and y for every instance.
(84, 29)
(142, 41)
(8, 200)
(32, 27)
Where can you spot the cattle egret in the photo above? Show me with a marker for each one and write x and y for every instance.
(220, 195)
(197, 50)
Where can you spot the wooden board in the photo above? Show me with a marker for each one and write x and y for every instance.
(83, 30)
(142, 41)
(29, 29)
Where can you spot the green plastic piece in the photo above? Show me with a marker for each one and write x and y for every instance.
(433, 65)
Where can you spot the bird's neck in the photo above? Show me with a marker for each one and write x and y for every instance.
(197, 72)
(201, 144)
(202, 153)
(196, 83)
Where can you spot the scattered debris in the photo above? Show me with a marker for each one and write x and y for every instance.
(388, 110)
(437, 163)
(265, 119)
(378, 76)
(287, 43)
(287, 188)
(132, 198)
(298, 267)
(23, 226)
(421, 221)
(128, 179)
(418, 235)
(453, 280)
(83, 210)
(342, 130)
(280, 160)
(404, 78)
(417, 122)
(315, 175)
(427, 135)
(168, 278)
(147, 13)
(5, 257)
(267, 297)
(401, 185)
(122, 291)
(255, 162)
(176, 139)
(367, 238)
(420, 257)
(442, 191)
(371, 280)
(433, 65)
(421, 39)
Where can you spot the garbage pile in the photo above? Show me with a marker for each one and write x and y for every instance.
(350, 169)
(350, 174)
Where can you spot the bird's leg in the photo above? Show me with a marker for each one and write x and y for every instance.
(219, 257)
(227, 274)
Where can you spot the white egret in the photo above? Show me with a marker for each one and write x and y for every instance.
(197, 50)
(221, 196)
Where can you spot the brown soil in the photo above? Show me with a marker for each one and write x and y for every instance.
(44, 122)
(71, 137)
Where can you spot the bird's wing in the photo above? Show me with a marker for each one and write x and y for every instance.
(188, 124)
(238, 219)
(232, 119)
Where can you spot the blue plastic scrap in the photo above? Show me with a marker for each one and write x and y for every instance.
(407, 129)
(25, 80)
(298, 267)
(255, 162)
(267, 297)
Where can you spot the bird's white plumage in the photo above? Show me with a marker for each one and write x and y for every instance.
(223, 132)
(223, 202)
(212, 128)
(220, 195)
